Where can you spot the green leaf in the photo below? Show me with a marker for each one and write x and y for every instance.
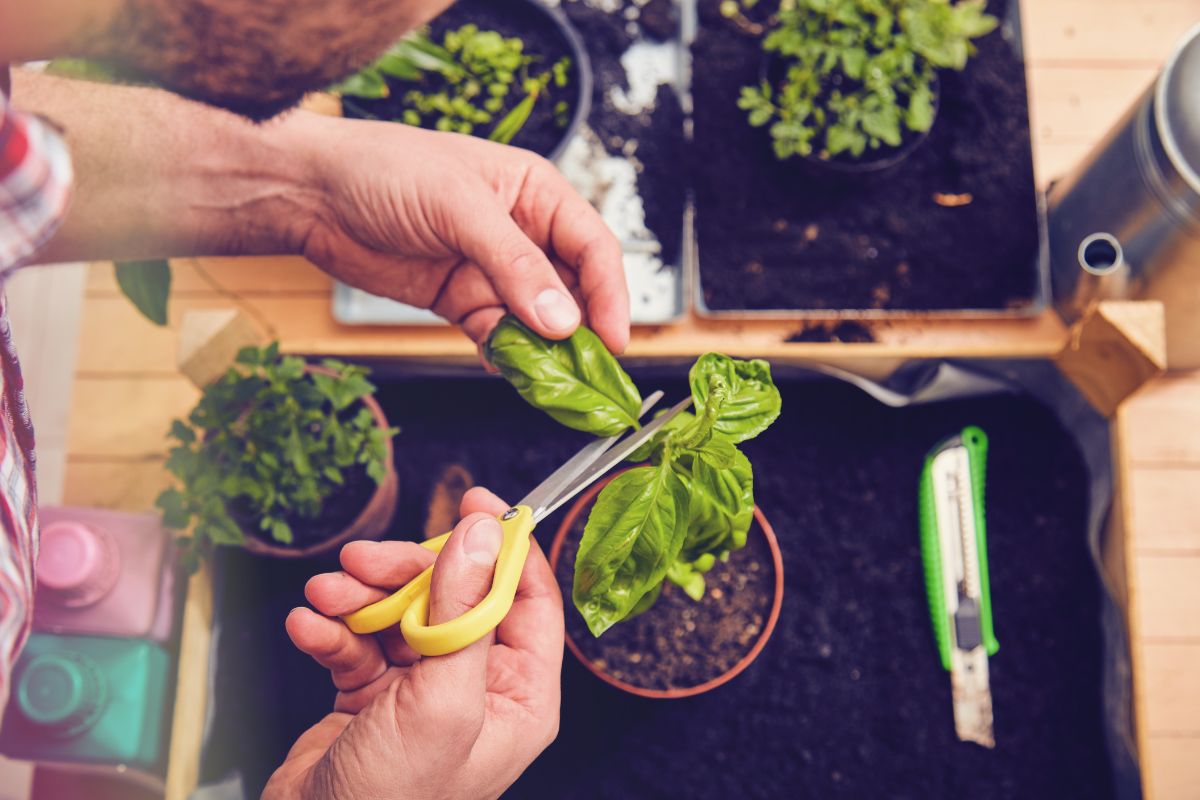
(513, 121)
(753, 402)
(281, 532)
(721, 506)
(181, 431)
(576, 381)
(147, 284)
(647, 602)
(919, 116)
(633, 535)
(367, 83)
(688, 578)
(718, 452)
(175, 515)
(648, 449)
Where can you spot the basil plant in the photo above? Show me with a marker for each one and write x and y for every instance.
(673, 517)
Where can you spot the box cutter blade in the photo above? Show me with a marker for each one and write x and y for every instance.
(954, 552)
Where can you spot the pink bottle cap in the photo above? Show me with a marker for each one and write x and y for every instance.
(78, 563)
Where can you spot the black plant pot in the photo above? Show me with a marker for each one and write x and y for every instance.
(871, 161)
(524, 18)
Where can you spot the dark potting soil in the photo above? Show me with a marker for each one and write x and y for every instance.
(679, 643)
(511, 18)
(846, 331)
(786, 235)
(847, 699)
(654, 137)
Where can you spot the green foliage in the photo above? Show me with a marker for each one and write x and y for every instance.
(147, 284)
(471, 78)
(267, 445)
(672, 519)
(576, 380)
(857, 73)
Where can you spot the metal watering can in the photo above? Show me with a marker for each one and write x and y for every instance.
(1126, 222)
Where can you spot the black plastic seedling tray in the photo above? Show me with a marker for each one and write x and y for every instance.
(848, 698)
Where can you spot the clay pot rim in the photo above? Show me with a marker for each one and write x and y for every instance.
(672, 694)
(385, 495)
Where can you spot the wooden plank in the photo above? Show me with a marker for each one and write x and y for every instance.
(191, 689)
(1081, 103)
(1105, 31)
(1172, 704)
(1164, 421)
(114, 483)
(126, 418)
(244, 276)
(1165, 505)
(1114, 349)
(1171, 767)
(1163, 590)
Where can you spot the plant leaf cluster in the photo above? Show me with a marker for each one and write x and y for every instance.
(856, 74)
(672, 518)
(266, 445)
(472, 78)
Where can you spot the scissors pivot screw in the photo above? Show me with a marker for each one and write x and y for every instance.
(512, 512)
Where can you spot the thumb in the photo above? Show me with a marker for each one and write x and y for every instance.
(520, 272)
(462, 576)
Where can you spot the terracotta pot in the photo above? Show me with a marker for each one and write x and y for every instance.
(371, 523)
(764, 528)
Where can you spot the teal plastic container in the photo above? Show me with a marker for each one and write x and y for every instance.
(88, 700)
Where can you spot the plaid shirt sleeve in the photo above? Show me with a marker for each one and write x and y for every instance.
(35, 181)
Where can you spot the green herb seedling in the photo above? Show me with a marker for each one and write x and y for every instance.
(472, 78)
(268, 444)
(857, 73)
(674, 517)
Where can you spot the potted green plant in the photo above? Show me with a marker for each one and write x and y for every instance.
(514, 72)
(853, 83)
(654, 532)
(281, 457)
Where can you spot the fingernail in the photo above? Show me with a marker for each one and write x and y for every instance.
(482, 542)
(556, 311)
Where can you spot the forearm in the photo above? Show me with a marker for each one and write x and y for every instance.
(160, 176)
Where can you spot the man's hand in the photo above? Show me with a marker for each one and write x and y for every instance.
(459, 225)
(463, 725)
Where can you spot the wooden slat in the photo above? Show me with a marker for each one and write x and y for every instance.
(245, 276)
(1165, 419)
(1170, 672)
(1080, 103)
(1171, 767)
(126, 418)
(1105, 31)
(1164, 503)
(1164, 598)
(112, 483)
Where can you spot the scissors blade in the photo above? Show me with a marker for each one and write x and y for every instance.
(602, 465)
(576, 464)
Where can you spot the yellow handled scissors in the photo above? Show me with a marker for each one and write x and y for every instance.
(409, 606)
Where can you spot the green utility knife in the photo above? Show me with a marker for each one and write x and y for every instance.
(954, 551)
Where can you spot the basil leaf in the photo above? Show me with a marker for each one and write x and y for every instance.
(647, 602)
(684, 575)
(718, 452)
(633, 535)
(753, 402)
(649, 450)
(147, 284)
(721, 506)
(576, 381)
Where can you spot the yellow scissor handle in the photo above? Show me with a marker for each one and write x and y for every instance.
(409, 605)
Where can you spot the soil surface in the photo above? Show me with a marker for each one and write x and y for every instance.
(786, 235)
(680, 643)
(653, 137)
(847, 331)
(847, 699)
(541, 133)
